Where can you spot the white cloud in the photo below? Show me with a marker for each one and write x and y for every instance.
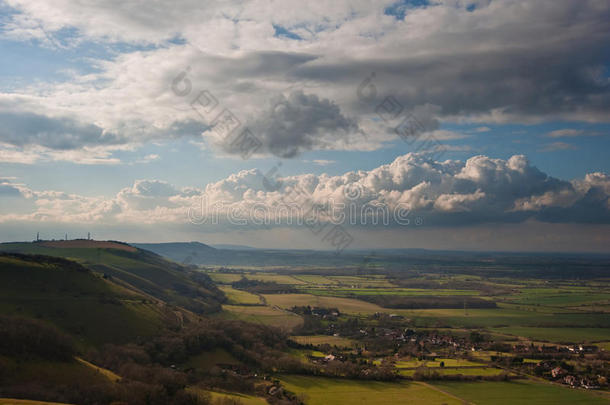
(482, 129)
(560, 133)
(148, 158)
(480, 190)
(555, 146)
(501, 62)
(96, 155)
(563, 133)
(321, 162)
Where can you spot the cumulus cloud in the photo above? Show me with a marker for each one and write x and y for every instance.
(451, 193)
(301, 122)
(501, 61)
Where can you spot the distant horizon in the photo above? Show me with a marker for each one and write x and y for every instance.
(363, 250)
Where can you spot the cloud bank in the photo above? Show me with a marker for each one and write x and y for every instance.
(481, 190)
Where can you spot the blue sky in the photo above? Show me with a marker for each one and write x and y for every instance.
(97, 132)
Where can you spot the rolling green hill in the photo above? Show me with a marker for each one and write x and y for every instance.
(75, 299)
(54, 311)
(136, 269)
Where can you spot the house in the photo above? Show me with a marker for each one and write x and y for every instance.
(558, 372)
(570, 380)
(589, 384)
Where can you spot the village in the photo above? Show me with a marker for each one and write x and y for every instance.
(384, 339)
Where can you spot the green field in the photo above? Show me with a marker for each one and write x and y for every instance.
(345, 305)
(519, 392)
(216, 397)
(507, 319)
(405, 292)
(239, 297)
(324, 339)
(560, 297)
(242, 398)
(275, 278)
(323, 391)
(362, 281)
(502, 316)
(314, 279)
(264, 315)
(560, 335)
(224, 278)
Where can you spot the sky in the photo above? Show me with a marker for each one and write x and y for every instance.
(448, 124)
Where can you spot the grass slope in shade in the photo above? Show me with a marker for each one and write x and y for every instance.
(141, 269)
(207, 360)
(58, 377)
(323, 391)
(519, 392)
(74, 299)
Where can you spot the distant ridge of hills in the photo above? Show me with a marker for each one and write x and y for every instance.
(234, 247)
(181, 252)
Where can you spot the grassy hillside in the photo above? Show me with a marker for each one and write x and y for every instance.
(75, 299)
(181, 252)
(138, 269)
(51, 380)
